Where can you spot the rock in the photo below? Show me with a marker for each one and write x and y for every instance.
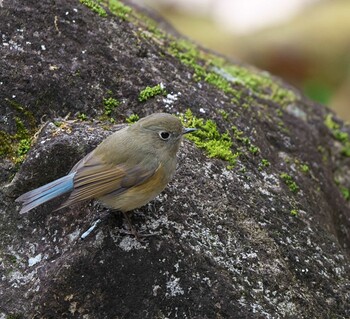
(254, 224)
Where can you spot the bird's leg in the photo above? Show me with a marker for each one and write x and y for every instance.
(94, 225)
(89, 231)
(133, 231)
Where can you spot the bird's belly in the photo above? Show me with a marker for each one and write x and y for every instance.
(139, 195)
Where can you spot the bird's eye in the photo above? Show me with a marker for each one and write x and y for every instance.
(164, 135)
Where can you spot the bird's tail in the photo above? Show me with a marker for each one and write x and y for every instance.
(45, 193)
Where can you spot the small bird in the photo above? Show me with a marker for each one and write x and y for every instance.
(126, 171)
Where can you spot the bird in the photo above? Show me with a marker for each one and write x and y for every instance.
(124, 172)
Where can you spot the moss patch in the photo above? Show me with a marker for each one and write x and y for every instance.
(80, 116)
(294, 212)
(208, 137)
(132, 118)
(338, 134)
(224, 114)
(5, 143)
(264, 164)
(95, 7)
(150, 92)
(245, 141)
(207, 67)
(343, 138)
(288, 180)
(226, 77)
(119, 9)
(15, 146)
(345, 192)
(110, 104)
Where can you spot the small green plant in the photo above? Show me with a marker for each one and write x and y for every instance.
(340, 136)
(304, 168)
(132, 118)
(5, 143)
(109, 105)
(150, 92)
(292, 185)
(220, 82)
(57, 123)
(95, 7)
(238, 135)
(254, 149)
(279, 112)
(224, 114)
(329, 122)
(345, 192)
(294, 212)
(22, 149)
(265, 162)
(82, 116)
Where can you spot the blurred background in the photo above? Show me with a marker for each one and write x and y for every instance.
(306, 42)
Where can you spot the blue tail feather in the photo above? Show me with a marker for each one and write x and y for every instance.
(45, 193)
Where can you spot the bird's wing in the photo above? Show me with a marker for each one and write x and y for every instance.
(95, 178)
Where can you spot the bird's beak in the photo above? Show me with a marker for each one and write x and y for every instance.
(188, 130)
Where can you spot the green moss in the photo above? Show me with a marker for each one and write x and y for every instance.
(95, 7)
(119, 9)
(263, 164)
(294, 212)
(340, 136)
(208, 137)
(259, 83)
(82, 116)
(188, 54)
(337, 134)
(304, 168)
(224, 114)
(346, 150)
(288, 180)
(132, 118)
(249, 146)
(109, 105)
(345, 192)
(57, 123)
(323, 152)
(328, 121)
(24, 141)
(22, 131)
(15, 146)
(254, 149)
(279, 112)
(238, 135)
(150, 92)
(215, 70)
(5, 143)
(220, 82)
(23, 147)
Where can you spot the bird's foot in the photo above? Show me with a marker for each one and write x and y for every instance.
(94, 225)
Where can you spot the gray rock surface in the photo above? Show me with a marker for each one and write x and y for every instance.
(268, 238)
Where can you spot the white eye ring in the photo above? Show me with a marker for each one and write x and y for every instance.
(164, 135)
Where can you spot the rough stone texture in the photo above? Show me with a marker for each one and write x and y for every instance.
(226, 243)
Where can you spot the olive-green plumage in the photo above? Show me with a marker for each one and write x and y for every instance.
(126, 171)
